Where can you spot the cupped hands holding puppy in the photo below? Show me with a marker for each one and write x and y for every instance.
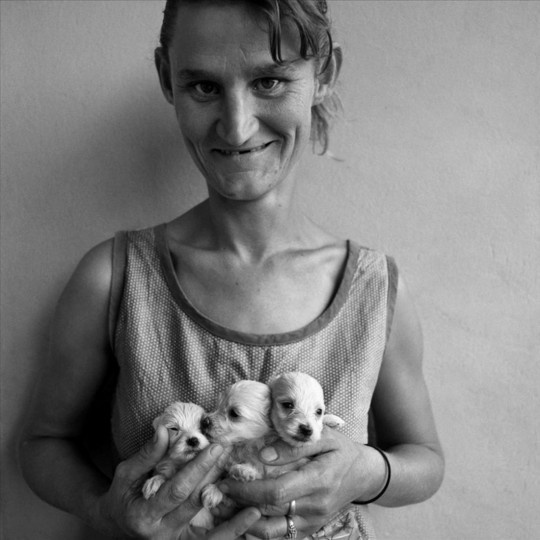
(166, 515)
(338, 472)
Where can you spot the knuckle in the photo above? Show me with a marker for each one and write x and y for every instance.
(278, 494)
(178, 493)
(325, 508)
(122, 470)
(137, 525)
(324, 481)
(266, 533)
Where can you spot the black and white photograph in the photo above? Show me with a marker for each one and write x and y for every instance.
(270, 269)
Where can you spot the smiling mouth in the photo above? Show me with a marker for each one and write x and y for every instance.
(241, 152)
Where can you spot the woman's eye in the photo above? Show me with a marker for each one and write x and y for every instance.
(175, 429)
(267, 83)
(206, 88)
(287, 405)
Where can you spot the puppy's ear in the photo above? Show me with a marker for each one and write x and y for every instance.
(333, 421)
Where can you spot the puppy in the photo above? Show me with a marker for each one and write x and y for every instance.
(183, 422)
(186, 440)
(298, 409)
(297, 415)
(241, 421)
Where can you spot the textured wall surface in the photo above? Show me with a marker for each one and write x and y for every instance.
(439, 165)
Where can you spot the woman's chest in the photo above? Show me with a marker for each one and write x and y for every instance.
(263, 299)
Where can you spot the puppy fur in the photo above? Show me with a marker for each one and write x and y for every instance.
(241, 421)
(186, 440)
(298, 408)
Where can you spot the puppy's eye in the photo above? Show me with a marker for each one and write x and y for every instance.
(318, 412)
(288, 405)
(233, 413)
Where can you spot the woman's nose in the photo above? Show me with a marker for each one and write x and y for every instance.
(238, 121)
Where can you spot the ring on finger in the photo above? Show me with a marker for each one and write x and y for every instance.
(291, 529)
(292, 508)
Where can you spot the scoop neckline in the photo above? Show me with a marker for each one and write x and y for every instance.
(215, 328)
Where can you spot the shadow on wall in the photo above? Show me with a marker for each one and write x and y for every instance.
(124, 166)
(133, 165)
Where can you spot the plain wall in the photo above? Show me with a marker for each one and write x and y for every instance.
(439, 166)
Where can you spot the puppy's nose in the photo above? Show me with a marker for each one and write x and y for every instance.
(193, 442)
(305, 430)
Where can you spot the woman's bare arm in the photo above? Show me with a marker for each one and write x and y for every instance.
(53, 462)
(404, 421)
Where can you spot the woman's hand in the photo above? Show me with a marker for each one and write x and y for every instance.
(339, 472)
(166, 515)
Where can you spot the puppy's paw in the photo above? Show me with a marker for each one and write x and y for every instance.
(211, 496)
(152, 485)
(243, 472)
(333, 421)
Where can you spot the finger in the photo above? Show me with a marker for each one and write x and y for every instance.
(274, 527)
(146, 459)
(236, 526)
(179, 490)
(218, 468)
(303, 507)
(277, 492)
(281, 453)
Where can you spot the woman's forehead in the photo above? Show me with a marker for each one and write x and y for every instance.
(223, 36)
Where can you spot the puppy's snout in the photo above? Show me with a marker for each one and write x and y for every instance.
(193, 442)
(305, 430)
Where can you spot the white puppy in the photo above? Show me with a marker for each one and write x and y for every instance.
(186, 440)
(298, 408)
(241, 421)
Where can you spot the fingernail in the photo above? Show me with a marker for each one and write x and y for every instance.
(224, 488)
(254, 514)
(216, 450)
(269, 453)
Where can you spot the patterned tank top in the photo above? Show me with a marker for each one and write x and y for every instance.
(169, 351)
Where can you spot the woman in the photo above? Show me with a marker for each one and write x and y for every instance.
(243, 286)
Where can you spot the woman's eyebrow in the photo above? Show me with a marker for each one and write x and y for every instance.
(287, 67)
(284, 68)
(190, 74)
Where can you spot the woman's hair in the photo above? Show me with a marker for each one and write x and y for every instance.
(313, 25)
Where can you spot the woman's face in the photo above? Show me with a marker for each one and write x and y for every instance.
(244, 118)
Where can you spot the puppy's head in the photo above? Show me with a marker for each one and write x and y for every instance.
(297, 408)
(183, 422)
(243, 414)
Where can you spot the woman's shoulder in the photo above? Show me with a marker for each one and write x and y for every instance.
(94, 270)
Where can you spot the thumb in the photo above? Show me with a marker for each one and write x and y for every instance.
(148, 456)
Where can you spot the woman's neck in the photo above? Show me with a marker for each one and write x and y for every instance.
(256, 229)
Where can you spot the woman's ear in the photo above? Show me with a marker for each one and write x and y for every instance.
(326, 80)
(164, 72)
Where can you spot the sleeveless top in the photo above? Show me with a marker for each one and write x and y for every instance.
(168, 351)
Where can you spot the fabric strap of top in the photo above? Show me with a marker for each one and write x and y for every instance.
(119, 256)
